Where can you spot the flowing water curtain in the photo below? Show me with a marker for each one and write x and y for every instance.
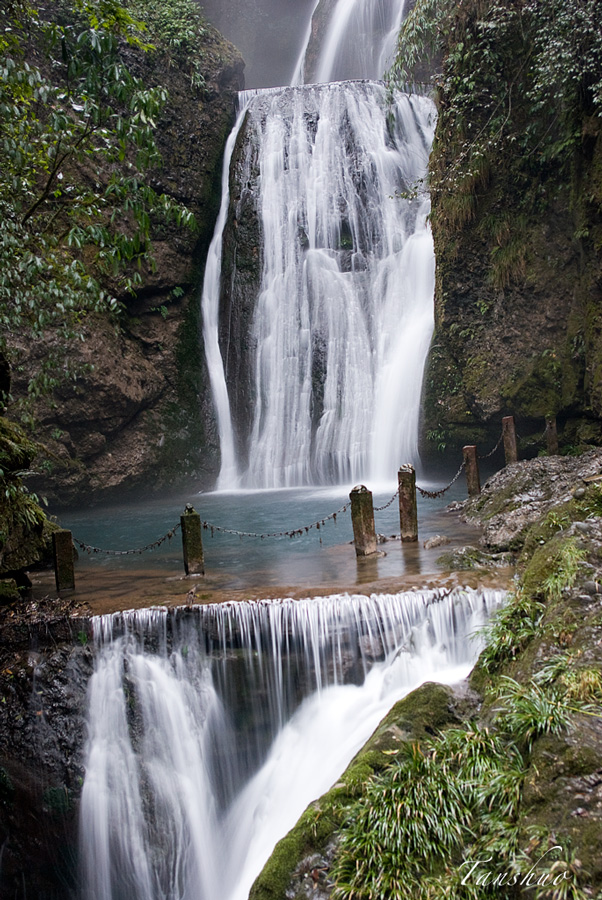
(211, 729)
(349, 39)
(343, 318)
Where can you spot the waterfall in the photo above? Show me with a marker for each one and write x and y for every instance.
(210, 729)
(358, 40)
(327, 367)
(343, 317)
(210, 315)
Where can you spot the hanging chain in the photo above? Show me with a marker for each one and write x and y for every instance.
(488, 455)
(432, 495)
(87, 548)
(295, 532)
(380, 508)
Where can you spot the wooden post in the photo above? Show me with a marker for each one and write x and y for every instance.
(551, 436)
(362, 518)
(471, 467)
(509, 436)
(192, 544)
(64, 560)
(408, 511)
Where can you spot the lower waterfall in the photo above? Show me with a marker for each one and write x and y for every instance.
(210, 729)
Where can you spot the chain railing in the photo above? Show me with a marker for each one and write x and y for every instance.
(388, 504)
(468, 464)
(89, 549)
(291, 533)
(491, 452)
(433, 495)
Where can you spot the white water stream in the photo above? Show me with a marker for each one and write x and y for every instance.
(211, 729)
(344, 312)
(358, 42)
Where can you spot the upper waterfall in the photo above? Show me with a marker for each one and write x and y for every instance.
(332, 364)
(349, 39)
(318, 323)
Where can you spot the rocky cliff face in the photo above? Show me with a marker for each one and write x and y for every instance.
(139, 414)
(517, 200)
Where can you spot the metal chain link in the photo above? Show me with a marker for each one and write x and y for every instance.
(380, 508)
(490, 454)
(432, 495)
(295, 532)
(89, 549)
(536, 439)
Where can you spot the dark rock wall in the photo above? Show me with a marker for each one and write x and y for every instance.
(44, 671)
(140, 414)
(519, 271)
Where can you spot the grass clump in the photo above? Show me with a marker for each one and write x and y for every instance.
(511, 629)
(531, 710)
(576, 682)
(435, 809)
(424, 827)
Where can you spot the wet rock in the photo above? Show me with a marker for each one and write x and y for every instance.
(517, 496)
(584, 527)
(371, 647)
(438, 540)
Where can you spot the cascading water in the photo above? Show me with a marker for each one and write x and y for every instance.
(358, 41)
(211, 729)
(329, 365)
(343, 317)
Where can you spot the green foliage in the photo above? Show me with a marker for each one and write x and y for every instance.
(425, 826)
(65, 226)
(564, 568)
(577, 682)
(530, 710)
(438, 437)
(511, 629)
(453, 800)
(514, 82)
(177, 25)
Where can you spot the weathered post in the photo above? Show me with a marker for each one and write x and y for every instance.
(192, 544)
(362, 519)
(551, 436)
(471, 467)
(408, 510)
(64, 560)
(509, 436)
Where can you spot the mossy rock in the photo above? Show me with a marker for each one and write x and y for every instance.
(17, 451)
(57, 800)
(466, 559)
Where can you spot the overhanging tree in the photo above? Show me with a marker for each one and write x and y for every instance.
(77, 142)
